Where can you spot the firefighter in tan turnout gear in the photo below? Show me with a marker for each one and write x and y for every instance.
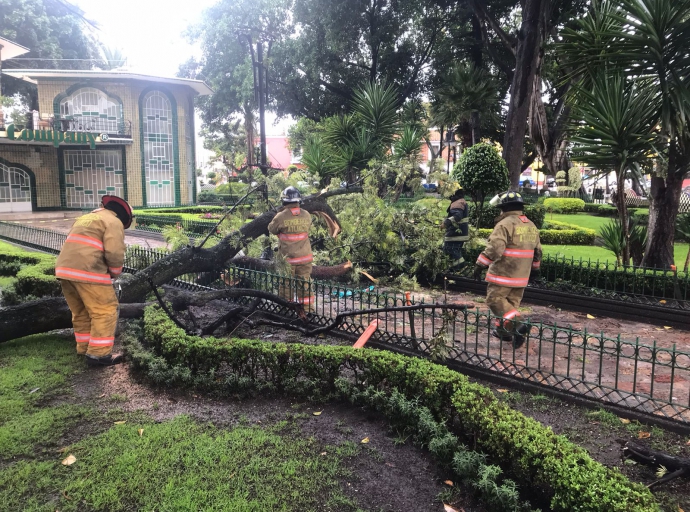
(512, 256)
(291, 225)
(92, 255)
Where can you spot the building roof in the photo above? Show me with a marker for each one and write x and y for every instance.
(32, 75)
(10, 50)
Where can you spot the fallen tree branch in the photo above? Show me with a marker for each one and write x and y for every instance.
(677, 466)
(317, 271)
(340, 317)
(45, 315)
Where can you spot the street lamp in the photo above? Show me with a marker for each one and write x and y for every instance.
(450, 142)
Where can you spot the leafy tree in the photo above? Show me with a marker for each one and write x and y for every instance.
(52, 30)
(114, 58)
(481, 171)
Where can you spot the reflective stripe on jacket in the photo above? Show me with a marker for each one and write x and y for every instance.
(291, 225)
(94, 250)
(512, 251)
(457, 223)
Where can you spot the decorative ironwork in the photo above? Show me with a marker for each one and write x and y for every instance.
(90, 174)
(158, 149)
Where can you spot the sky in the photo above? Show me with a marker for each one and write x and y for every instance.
(150, 35)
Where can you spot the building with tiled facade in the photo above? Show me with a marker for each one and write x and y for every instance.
(101, 132)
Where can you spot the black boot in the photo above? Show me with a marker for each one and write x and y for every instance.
(519, 336)
(109, 360)
(501, 336)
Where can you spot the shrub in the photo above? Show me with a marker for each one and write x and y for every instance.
(207, 196)
(482, 172)
(35, 276)
(603, 210)
(559, 233)
(521, 445)
(534, 212)
(564, 205)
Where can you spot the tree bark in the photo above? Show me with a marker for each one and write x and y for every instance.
(530, 38)
(663, 210)
(47, 314)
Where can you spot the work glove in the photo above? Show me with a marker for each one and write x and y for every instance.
(478, 269)
(535, 276)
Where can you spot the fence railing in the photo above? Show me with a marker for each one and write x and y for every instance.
(604, 279)
(651, 379)
(155, 223)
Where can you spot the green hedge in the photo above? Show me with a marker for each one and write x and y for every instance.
(34, 274)
(564, 205)
(522, 445)
(185, 209)
(559, 233)
(534, 212)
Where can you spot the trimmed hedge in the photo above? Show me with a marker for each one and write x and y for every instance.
(559, 233)
(34, 274)
(534, 212)
(564, 205)
(522, 445)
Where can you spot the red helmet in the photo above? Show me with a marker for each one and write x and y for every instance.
(120, 207)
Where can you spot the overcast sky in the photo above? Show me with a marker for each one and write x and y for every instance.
(150, 34)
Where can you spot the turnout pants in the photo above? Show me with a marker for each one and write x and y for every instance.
(454, 251)
(504, 303)
(94, 310)
(298, 288)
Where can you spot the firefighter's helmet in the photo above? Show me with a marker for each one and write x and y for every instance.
(458, 193)
(508, 201)
(291, 195)
(120, 207)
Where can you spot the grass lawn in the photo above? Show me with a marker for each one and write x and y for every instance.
(599, 253)
(581, 219)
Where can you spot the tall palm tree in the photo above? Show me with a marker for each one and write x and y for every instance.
(616, 131)
(469, 96)
(647, 40)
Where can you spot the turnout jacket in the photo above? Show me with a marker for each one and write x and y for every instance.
(457, 223)
(291, 225)
(94, 251)
(512, 252)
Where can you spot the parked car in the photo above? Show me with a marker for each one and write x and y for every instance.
(430, 187)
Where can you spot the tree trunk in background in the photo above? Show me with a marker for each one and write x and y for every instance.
(663, 210)
(530, 38)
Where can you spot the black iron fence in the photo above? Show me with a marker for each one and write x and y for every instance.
(651, 379)
(156, 223)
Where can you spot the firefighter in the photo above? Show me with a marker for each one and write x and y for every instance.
(291, 225)
(91, 257)
(456, 226)
(512, 256)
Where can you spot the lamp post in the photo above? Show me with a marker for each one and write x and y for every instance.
(450, 142)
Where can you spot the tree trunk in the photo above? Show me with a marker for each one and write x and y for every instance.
(47, 314)
(623, 217)
(476, 129)
(530, 38)
(663, 210)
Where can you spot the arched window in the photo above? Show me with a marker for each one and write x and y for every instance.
(91, 110)
(15, 189)
(159, 147)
